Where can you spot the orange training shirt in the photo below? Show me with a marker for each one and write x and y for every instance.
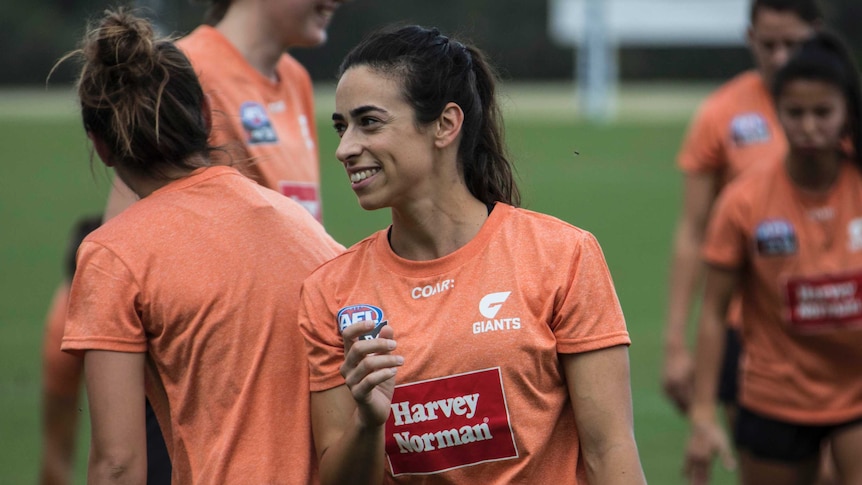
(204, 275)
(481, 396)
(800, 258)
(267, 126)
(734, 129)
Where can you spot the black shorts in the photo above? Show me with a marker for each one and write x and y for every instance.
(770, 439)
(158, 461)
(728, 383)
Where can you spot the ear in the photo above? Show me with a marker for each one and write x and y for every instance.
(101, 149)
(448, 125)
(207, 113)
(749, 36)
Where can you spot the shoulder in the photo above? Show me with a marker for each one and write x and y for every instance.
(740, 93)
(347, 262)
(529, 222)
(291, 69)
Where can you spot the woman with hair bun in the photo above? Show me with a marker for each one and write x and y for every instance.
(511, 359)
(190, 296)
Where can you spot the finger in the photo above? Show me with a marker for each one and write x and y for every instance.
(728, 460)
(370, 364)
(362, 390)
(362, 349)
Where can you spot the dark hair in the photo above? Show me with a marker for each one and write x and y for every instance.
(807, 10)
(826, 58)
(435, 70)
(140, 95)
(82, 227)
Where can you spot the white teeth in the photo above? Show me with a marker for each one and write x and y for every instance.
(360, 176)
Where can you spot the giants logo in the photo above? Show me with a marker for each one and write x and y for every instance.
(489, 306)
(450, 422)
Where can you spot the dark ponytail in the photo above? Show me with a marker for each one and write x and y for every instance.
(826, 58)
(435, 70)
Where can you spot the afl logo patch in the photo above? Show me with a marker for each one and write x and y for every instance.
(748, 129)
(349, 315)
(255, 122)
(775, 237)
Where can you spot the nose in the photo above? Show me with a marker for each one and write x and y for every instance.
(809, 124)
(348, 147)
(780, 56)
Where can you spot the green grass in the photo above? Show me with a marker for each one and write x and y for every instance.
(623, 187)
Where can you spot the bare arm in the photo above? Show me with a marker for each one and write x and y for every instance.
(62, 374)
(115, 390)
(685, 277)
(601, 397)
(707, 437)
(348, 421)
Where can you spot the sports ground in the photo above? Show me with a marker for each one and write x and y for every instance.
(622, 185)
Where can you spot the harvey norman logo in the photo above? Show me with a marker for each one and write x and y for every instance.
(449, 422)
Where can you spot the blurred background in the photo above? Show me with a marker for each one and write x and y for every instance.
(608, 167)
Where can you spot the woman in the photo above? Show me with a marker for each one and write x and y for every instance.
(511, 362)
(789, 239)
(192, 291)
(261, 97)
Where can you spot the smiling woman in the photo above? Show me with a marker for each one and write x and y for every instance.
(452, 399)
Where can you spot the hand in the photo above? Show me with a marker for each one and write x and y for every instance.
(369, 370)
(706, 440)
(678, 377)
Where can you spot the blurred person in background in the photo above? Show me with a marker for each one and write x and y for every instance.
(261, 97)
(190, 295)
(788, 237)
(61, 375)
(734, 130)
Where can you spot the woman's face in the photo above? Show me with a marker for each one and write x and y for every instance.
(301, 23)
(814, 116)
(773, 37)
(388, 158)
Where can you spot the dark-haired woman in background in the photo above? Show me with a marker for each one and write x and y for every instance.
(511, 364)
(191, 293)
(789, 237)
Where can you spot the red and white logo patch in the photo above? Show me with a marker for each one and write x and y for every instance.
(449, 422)
(824, 302)
(306, 194)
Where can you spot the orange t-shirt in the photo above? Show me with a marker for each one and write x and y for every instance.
(800, 258)
(266, 126)
(481, 395)
(734, 129)
(61, 371)
(204, 276)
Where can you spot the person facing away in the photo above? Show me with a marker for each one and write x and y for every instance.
(789, 238)
(735, 129)
(262, 104)
(190, 296)
(511, 359)
(261, 97)
(61, 374)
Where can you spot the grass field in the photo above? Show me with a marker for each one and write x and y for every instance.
(623, 187)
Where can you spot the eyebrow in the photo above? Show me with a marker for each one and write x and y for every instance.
(358, 112)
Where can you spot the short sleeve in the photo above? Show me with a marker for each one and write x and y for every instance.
(323, 344)
(588, 315)
(103, 304)
(724, 241)
(703, 147)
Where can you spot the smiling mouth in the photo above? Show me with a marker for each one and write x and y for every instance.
(362, 175)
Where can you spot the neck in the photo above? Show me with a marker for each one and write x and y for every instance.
(432, 229)
(815, 172)
(242, 26)
(144, 185)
